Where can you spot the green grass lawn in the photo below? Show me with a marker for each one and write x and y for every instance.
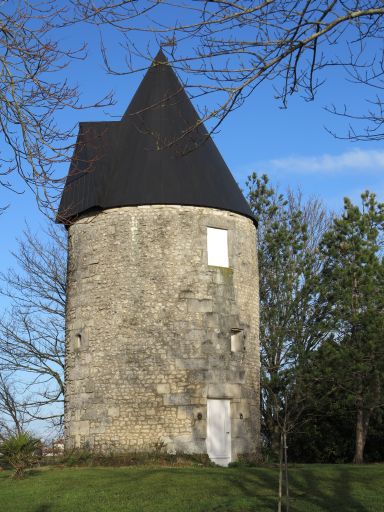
(193, 489)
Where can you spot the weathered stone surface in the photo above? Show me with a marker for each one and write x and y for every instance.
(163, 388)
(224, 390)
(155, 323)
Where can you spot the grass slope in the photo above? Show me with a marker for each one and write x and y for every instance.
(193, 489)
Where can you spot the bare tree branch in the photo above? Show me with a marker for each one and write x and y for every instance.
(33, 91)
(228, 48)
(32, 331)
(13, 414)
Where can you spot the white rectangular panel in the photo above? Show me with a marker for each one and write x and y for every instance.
(217, 246)
(219, 431)
(237, 340)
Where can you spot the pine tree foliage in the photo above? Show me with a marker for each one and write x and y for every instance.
(353, 293)
(290, 313)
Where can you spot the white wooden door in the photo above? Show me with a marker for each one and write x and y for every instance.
(219, 431)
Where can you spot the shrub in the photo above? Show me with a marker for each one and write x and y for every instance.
(78, 457)
(20, 451)
(85, 457)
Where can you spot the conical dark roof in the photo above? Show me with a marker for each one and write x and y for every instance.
(159, 153)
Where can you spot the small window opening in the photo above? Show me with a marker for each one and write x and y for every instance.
(237, 340)
(217, 247)
(77, 343)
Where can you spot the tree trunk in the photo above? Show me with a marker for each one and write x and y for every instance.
(275, 441)
(273, 430)
(362, 423)
(359, 438)
(286, 472)
(280, 475)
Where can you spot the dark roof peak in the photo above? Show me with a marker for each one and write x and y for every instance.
(159, 153)
(160, 58)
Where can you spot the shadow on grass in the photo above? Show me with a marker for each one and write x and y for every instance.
(209, 489)
(261, 485)
(333, 491)
(32, 473)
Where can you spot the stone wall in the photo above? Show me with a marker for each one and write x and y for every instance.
(149, 327)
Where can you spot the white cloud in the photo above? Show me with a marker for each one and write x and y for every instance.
(357, 160)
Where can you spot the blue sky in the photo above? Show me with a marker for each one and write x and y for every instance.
(291, 145)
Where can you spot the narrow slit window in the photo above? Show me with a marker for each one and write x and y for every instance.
(237, 340)
(77, 343)
(217, 246)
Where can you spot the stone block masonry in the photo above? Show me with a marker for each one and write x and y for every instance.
(148, 330)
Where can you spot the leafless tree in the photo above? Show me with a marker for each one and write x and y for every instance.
(32, 331)
(34, 89)
(13, 414)
(229, 48)
(225, 48)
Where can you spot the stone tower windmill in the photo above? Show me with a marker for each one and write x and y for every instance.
(162, 310)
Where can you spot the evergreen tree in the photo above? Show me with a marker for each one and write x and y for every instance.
(289, 234)
(353, 293)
